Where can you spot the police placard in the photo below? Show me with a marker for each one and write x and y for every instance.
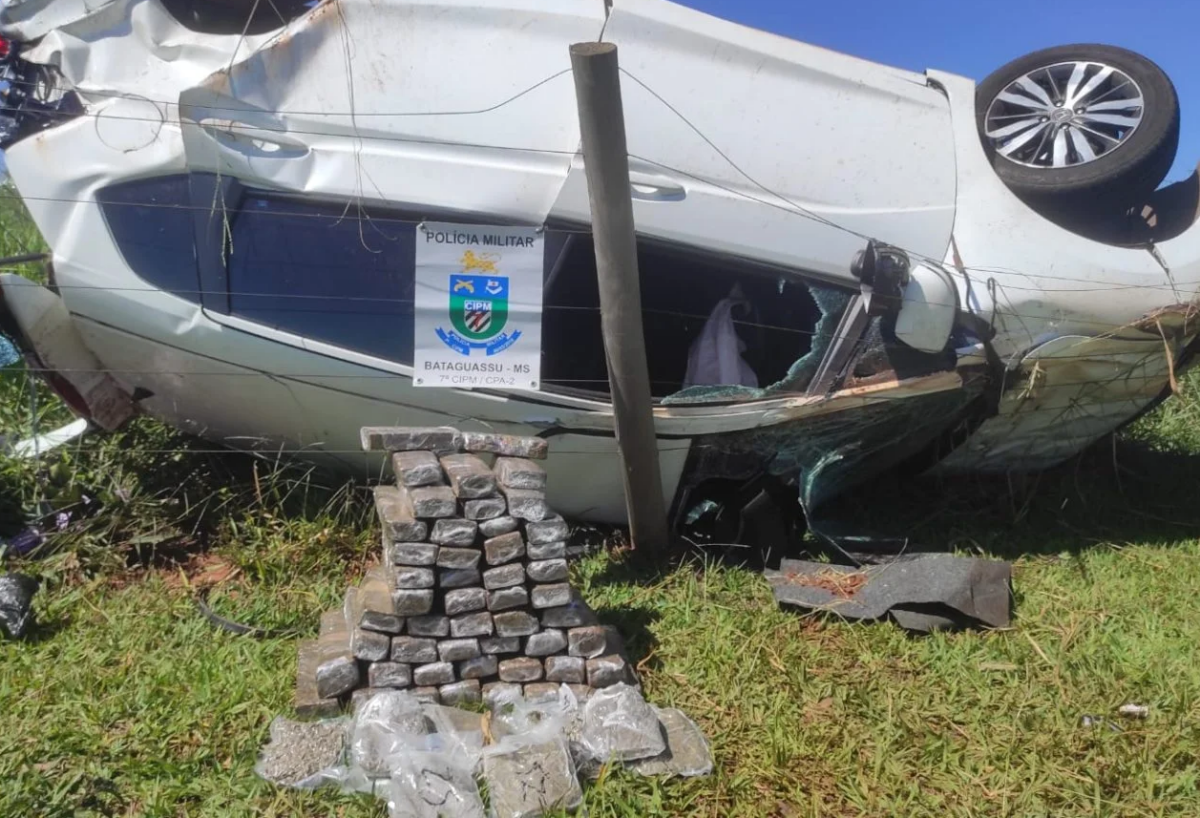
(478, 321)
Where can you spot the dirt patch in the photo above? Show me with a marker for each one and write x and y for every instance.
(840, 585)
(201, 571)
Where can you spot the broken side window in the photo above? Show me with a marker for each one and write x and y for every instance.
(783, 322)
(344, 274)
(880, 357)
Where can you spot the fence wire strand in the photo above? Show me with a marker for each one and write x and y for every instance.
(783, 203)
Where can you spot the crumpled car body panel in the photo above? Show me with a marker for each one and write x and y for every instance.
(744, 146)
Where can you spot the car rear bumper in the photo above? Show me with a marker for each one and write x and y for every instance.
(37, 320)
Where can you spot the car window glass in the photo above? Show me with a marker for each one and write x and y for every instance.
(151, 223)
(238, 17)
(329, 272)
(773, 315)
(339, 274)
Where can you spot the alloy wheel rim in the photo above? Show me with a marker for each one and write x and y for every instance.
(1064, 115)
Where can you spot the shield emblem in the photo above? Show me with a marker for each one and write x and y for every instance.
(478, 305)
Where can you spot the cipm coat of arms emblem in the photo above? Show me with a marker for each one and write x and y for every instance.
(478, 309)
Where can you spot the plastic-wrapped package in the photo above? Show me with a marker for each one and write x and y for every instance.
(687, 753)
(457, 732)
(434, 785)
(619, 725)
(386, 726)
(531, 774)
(571, 714)
(563, 716)
(304, 755)
(519, 717)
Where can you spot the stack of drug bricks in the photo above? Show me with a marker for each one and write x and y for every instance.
(472, 600)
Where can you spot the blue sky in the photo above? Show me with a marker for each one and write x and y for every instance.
(974, 37)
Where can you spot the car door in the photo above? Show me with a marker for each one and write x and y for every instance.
(434, 105)
(313, 157)
(751, 145)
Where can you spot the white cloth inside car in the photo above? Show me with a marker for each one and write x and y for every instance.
(715, 358)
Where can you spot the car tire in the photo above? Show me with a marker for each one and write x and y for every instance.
(1111, 155)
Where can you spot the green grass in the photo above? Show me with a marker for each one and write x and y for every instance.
(126, 702)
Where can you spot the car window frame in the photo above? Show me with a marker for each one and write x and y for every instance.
(210, 190)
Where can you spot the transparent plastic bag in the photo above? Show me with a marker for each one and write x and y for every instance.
(688, 753)
(619, 725)
(531, 774)
(520, 717)
(562, 716)
(304, 755)
(456, 731)
(434, 785)
(386, 726)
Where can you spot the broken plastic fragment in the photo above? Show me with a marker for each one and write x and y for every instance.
(922, 592)
(1134, 711)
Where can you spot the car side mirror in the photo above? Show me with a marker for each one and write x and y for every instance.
(927, 309)
(923, 298)
(883, 272)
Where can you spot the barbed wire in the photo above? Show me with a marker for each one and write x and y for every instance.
(373, 218)
(325, 298)
(487, 109)
(300, 376)
(792, 208)
(281, 196)
(568, 230)
(249, 130)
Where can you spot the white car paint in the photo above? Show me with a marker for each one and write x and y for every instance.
(929, 308)
(772, 140)
(1045, 285)
(744, 144)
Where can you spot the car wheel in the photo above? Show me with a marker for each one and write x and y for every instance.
(1091, 124)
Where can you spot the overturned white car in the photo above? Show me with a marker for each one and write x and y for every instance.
(913, 265)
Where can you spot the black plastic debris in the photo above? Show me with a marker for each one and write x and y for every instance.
(16, 604)
(24, 541)
(27, 541)
(922, 592)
